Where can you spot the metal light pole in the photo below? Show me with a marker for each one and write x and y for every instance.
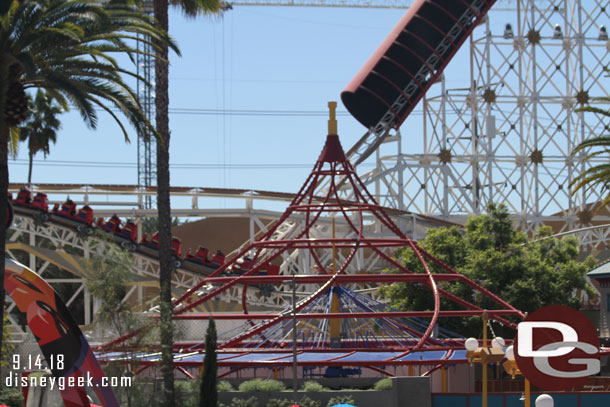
(294, 339)
(510, 366)
(485, 354)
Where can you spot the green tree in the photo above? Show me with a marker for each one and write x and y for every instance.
(109, 279)
(40, 128)
(208, 396)
(526, 274)
(11, 396)
(67, 48)
(7, 348)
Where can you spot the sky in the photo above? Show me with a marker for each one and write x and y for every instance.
(271, 70)
(268, 60)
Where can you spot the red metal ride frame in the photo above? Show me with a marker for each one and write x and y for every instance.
(333, 163)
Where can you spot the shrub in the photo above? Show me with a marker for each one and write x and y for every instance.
(224, 386)
(383, 384)
(313, 386)
(186, 393)
(251, 402)
(307, 402)
(12, 397)
(262, 385)
(279, 403)
(339, 400)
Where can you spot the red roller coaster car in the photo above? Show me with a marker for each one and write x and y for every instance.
(38, 208)
(67, 215)
(200, 263)
(244, 264)
(151, 248)
(126, 236)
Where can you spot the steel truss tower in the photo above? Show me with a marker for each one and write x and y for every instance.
(147, 147)
(508, 136)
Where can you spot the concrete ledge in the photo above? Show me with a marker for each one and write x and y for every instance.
(410, 392)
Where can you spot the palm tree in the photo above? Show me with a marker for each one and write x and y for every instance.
(166, 264)
(66, 47)
(40, 128)
(597, 175)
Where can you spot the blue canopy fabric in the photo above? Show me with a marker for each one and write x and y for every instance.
(249, 358)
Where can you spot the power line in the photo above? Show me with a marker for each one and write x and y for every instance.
(253, 112)
(249, 112)
(278, 81)
(184, 166)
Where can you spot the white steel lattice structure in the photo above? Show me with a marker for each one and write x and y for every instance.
(508, 134)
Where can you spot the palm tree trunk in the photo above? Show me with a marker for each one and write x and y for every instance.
(4, 135)
(166, 263)
(30, 169)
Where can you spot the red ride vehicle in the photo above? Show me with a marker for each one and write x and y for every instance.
(200, 263)
(150, 247)
(67, 215)
(68, 208)
(41, 202)
(113, 225)
(38, 208)
(126, 236)
(245, 264)
(219, 258)
(24, 197)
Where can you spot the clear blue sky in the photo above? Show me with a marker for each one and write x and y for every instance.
(267, 59)
(253, 58)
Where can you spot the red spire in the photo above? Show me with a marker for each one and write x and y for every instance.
(332, 151)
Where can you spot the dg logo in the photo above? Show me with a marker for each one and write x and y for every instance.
(557, 348)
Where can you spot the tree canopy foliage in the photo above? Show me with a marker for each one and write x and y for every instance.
(528, 274)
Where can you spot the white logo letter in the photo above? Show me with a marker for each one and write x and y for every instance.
(593, 365)
(525, 334)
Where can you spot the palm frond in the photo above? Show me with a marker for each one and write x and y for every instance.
(13, 141)
(67, 47)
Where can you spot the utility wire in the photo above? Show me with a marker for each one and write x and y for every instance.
(185, 166)
(254, 112)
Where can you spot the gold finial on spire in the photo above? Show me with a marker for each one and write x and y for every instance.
(332, 120)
